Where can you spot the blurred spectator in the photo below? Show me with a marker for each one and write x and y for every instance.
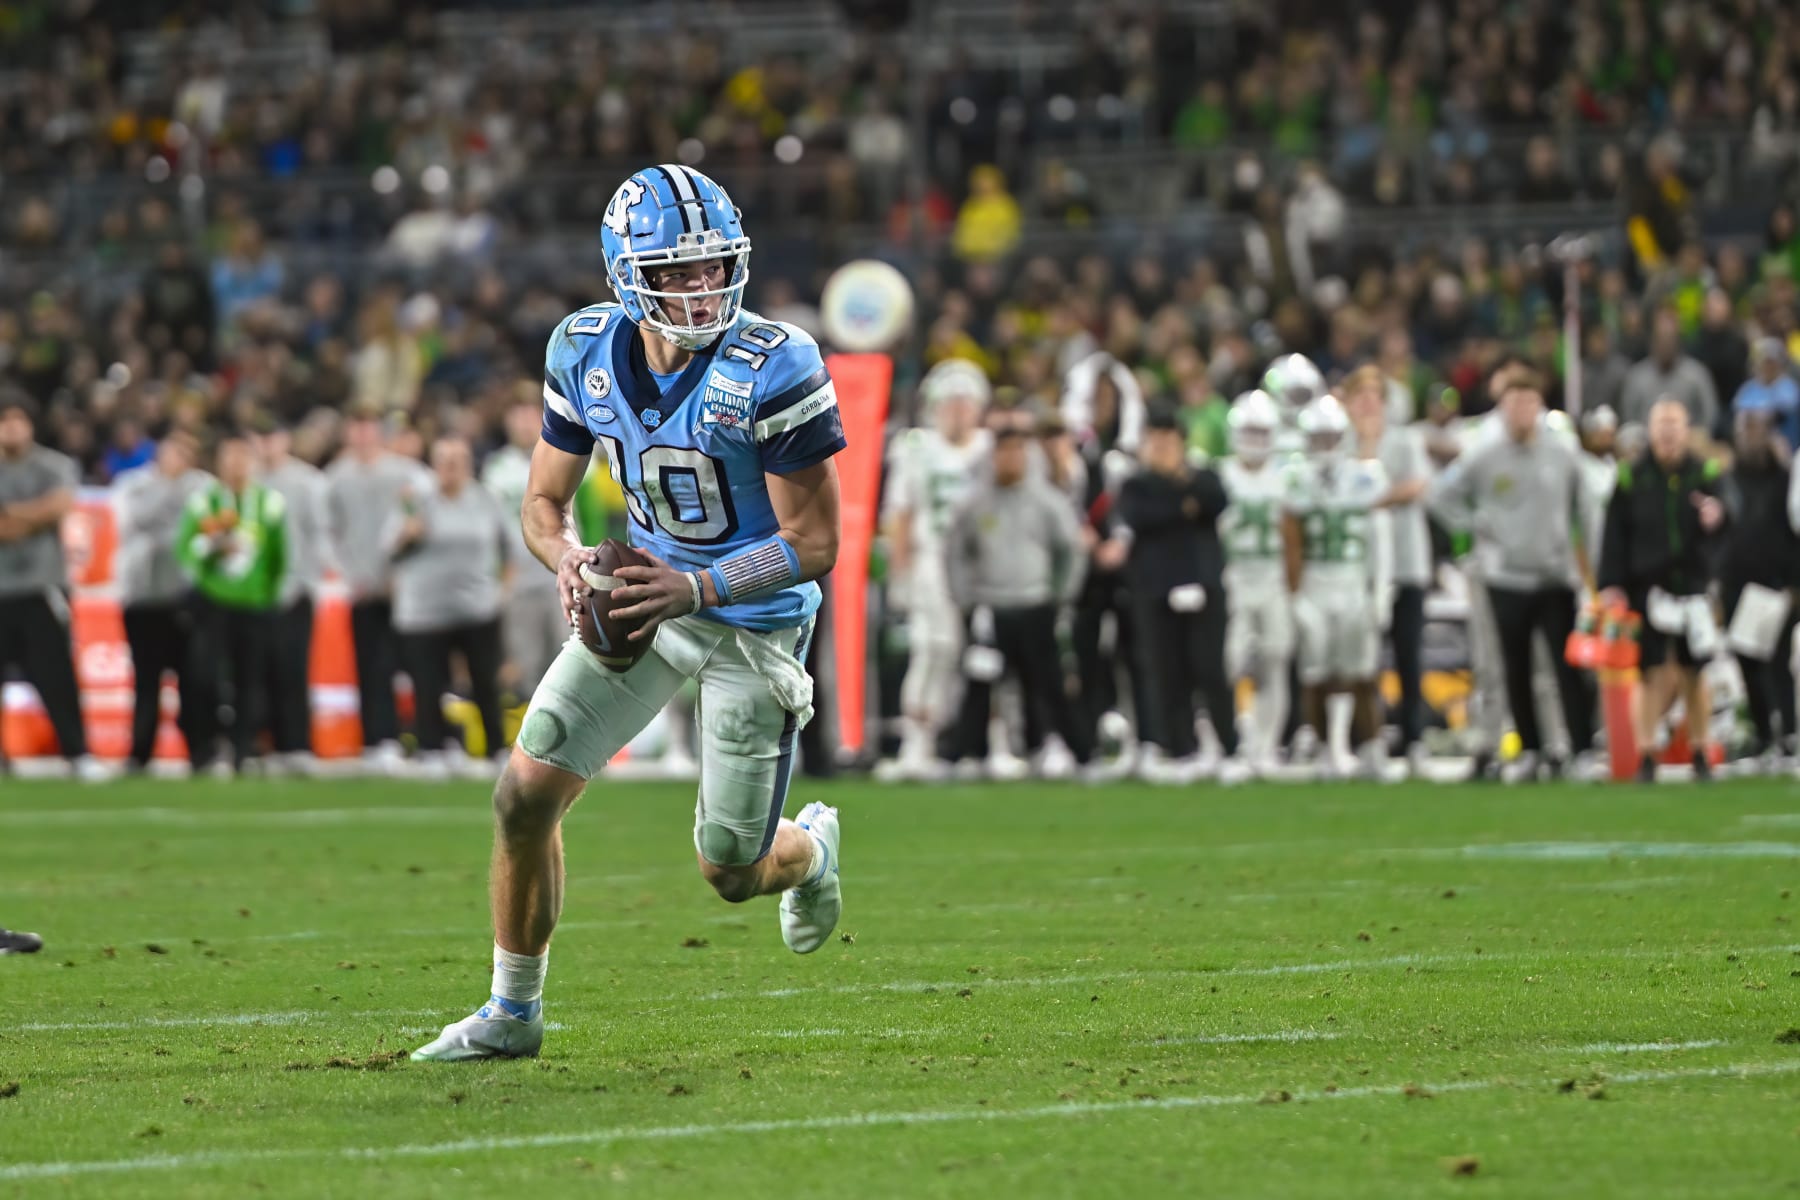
(1771, 389)
(1668, 372)
(1168, 515)
(363, 489)
(447, 540)
(1721, 347)
(1657, 561)
(233, 544)
(1659, 203)
(1522, 494)
(1762, 555)
(1401, 452)
(155, 592)
(389, 365)
(178, 305)
(1544, 180)
(1603, 369)
(988, 224)
(1013, 557)
(532, 615)
(37, 489)
(302, 489)
(128, 447)
(1316, 220)
(248, 274)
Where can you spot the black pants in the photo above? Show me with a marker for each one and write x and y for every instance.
(237, 644)
(428, 662)
(377, 661)
(1407, 633)
(290, 681)
(161, 637)
(1180, 654)
(1026, 640)
(34, 637)
(1768, 685)
(1550, 611)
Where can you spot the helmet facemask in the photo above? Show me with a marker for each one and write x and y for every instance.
(671, 313)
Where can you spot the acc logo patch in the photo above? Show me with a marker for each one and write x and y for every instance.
(726, 402)
(600, 414)
(598, 383)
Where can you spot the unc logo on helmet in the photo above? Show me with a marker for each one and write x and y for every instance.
(667, 216)
(618, 213)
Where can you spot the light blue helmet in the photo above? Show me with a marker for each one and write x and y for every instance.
(674, 214)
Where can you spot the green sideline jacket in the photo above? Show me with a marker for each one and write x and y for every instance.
(234, 547)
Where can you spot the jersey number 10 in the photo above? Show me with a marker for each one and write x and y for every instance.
(686, 488)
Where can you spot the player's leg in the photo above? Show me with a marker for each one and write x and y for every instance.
(579, 718)
(743, 846)
(1275, 669)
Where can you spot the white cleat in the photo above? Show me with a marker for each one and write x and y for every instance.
(89, 769)
(489, 1032)
(810, 912)
(1234, 771)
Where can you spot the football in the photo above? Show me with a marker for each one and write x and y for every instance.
(607, 637)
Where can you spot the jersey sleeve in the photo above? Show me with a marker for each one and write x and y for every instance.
(797, 419)
(563, 426)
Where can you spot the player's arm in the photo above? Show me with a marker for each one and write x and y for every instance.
(1292, 550)
(548, 520)
(33, 516)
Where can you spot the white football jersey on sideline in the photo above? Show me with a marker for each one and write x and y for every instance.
(1251, 527)
(930, 480)
(1335, 505)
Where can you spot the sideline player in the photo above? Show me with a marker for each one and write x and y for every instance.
(1259, 641)
(1337, 566)
(933, 470)
(720, 427)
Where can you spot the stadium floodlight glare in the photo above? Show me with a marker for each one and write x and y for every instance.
(435, 179)
(385, 180)
(690, 150)
(788, 149)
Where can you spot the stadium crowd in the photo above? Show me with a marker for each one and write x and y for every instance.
(231, 301)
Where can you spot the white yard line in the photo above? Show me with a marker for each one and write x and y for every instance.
(1601, 851)
(1647, 1047)
(1238, 972)
(281, 818)
(1236, 1039)
(873, 1120)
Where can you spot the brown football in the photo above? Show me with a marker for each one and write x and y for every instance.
(609, 638)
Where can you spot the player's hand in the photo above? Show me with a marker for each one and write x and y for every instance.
(654, 594)
(1110, 555)
(569, 584)
(1614, 598)
(1712, 512)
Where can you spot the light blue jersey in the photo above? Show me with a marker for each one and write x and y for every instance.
(691, 459)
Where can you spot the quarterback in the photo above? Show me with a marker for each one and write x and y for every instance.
(720, 428)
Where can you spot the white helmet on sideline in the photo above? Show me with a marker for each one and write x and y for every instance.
(1253, 421)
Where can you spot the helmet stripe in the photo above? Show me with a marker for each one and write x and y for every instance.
(694, 177)
(686, 197)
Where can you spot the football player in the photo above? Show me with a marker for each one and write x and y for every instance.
(1259, 639)
(1335, 539)
(720, 428)
(933, 468)
(1293, 382)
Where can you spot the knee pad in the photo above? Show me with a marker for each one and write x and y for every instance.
(725, 845)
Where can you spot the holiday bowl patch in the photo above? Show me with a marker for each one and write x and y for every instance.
(726, 401)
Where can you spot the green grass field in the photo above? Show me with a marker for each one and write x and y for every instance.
(1043, 990)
